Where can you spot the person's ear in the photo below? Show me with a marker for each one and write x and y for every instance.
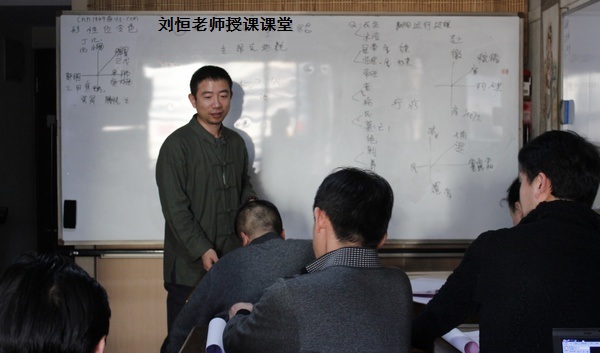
(320, 233)
(192, 100)
(245, 239)
(320, 218)
(100, 346)
(518, 210)
(383, 240)
(283, 234)
(543, 188)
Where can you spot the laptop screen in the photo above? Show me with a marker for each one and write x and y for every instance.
(576, 340)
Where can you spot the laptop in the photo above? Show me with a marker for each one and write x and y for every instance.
(576, 340)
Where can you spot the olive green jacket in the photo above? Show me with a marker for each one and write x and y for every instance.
(201, 183)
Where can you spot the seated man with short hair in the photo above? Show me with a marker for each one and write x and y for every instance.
(244, 273)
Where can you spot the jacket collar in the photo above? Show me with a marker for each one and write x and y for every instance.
(265, 238)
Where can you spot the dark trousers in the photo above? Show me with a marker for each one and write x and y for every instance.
(177, 295)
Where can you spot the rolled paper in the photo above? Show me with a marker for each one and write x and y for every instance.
(461, 341)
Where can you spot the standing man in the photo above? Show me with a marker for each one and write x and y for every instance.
(202, 177)
(347, 301)
(538, 275)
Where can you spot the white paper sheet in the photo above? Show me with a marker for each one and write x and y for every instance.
(462, 342)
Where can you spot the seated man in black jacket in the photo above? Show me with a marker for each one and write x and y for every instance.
(538, 275)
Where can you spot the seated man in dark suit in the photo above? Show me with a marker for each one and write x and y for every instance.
(538, 275)
(244, 273)
(347, 301)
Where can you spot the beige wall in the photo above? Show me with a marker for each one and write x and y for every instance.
(79, 5)
(138, 303)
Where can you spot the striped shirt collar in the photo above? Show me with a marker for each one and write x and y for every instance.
(350, 256)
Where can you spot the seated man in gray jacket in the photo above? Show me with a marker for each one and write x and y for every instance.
(244, 273)
(347, 301)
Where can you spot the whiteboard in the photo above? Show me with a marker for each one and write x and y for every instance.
(429, 102)
(581, 70)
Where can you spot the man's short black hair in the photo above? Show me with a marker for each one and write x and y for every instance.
(570, 162)
(209, 72)
(50, 304)
(359, 204)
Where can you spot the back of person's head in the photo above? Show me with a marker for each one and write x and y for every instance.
(358, 203)
(570, 162)
(512, 194)
(258, 217)
(512, 198)
(48, 304)
(211, 73)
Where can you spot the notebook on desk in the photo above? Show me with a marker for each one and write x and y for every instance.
(576, 340)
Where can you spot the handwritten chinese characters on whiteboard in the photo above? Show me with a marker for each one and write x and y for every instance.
(429, 102)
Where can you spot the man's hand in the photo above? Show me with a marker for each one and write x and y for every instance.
(239, 306)
(209, 258)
